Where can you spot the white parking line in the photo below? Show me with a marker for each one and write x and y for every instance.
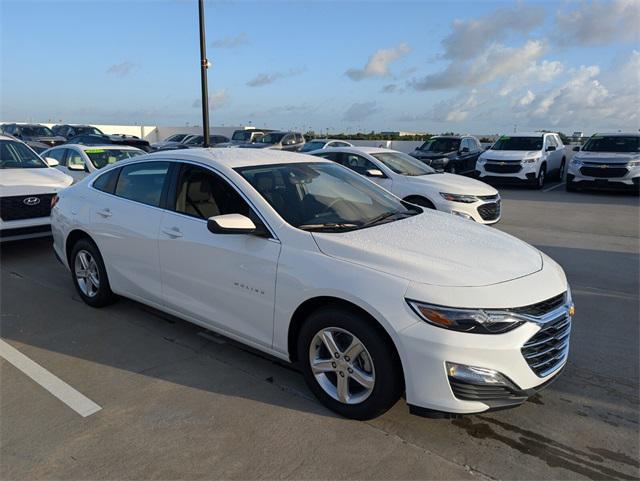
(56, 386)
(553, 187)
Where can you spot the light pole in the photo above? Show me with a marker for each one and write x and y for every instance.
(204, 65)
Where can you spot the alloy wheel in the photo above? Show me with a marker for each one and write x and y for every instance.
(341, 365)
(87, 273)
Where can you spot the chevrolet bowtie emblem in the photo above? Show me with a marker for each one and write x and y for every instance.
(604, 166)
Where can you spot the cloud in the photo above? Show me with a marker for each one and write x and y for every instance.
(527, 98)
(217, 100)
(121, 69)
(469, 38)
(542, 72)
(263, 79)
(597, 23)
(231, 41)
(378, 63)
(360, 110)
(389, 89)
(495, 62)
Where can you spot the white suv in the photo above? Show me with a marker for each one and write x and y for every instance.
(310, 262)
(523, 158)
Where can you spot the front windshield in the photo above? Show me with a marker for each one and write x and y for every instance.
(37, 131)
(196, 140)
(324, 197)
(313, 145)
(103, 157)
(518, 143)
(16, 155)
(88, 131)
(403, 164)
(271, 138)
(612, 143)
(440, 145)
(241, 135)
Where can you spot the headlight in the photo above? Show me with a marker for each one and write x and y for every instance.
(481, 160)
(531, 160)
(466, 199)
(576, 162)
(633, 163)
(476, 321)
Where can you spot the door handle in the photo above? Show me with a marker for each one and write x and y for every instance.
(172, 232)
(104, 213)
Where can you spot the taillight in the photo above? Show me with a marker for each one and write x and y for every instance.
(54, 200)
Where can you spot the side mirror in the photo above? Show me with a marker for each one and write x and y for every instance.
(51, 162)
(551, 148)
(230, 224)
(464, 150)
(576, 148)
(77, 167)
(487, 147)
(374, 173)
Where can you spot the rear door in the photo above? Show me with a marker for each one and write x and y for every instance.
(125, 219)
(224, 280)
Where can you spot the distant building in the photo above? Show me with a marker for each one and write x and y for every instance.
(401, 134)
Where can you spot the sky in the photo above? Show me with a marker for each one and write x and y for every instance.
(343, 66)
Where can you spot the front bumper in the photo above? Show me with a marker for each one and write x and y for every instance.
(612, 176)
(517, 172)
(24, 229)
(487, 210)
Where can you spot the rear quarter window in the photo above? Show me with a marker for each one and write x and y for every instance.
(107, 181)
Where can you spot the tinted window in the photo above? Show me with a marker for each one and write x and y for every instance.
(271, 138)
(518, 143)
(143, 182)
(403, 164)
(203, 194)
(440, 145)
(107, 181)
(313, 145)
(103, 157)
(57, 154)
(612, 143)
(357, 163)
(74, 158)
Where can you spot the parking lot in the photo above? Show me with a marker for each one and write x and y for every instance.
(180, 403)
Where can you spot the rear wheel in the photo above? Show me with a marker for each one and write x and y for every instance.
(89, 274)
(348, 364)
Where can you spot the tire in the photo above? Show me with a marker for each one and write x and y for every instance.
(561, 170)
(540, 179)
(421, 201)
(94, 289)
(377, 365)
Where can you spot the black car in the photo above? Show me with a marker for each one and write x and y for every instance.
(33, 133)
(198, 140)
(69, 131)
(102, 139)
(450, 153)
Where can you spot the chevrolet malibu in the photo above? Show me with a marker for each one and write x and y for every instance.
(308, 261)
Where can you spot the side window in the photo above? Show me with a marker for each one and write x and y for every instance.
(357, 163)
(330, 156)
(57, 154)
(558, 140)
(551, 141)
(142, 182)
(201, 193)
(74, 158)
(107, 181)
(299, 138)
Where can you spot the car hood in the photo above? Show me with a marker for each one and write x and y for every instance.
(453, 184)
(509, 154)
(430, 155)
(606, 157)
(435, 248)
(49, 140)
(32, 181)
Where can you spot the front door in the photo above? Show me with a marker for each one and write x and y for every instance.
(224, 280)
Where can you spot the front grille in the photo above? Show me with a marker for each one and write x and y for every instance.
(489, 211)
(549, 347)
(541, 308)
(607, 172)
(14, 208)
(503, 167)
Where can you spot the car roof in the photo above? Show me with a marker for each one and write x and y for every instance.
(527, 134)
(233, 158)
(617, 134)
(361, 149)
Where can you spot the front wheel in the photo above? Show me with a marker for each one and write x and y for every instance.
(348, 365)
(539, 181)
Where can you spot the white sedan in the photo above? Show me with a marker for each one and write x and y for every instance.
(27, 185)
(415, 182)
(79, 160)
(303, 259)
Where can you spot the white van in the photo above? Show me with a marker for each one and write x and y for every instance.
(523, 157)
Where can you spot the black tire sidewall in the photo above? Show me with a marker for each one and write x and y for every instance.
(541, 178)
(388, 384)
(104, 296)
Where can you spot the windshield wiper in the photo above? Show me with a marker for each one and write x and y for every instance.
(327, 227)
(385, 216)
